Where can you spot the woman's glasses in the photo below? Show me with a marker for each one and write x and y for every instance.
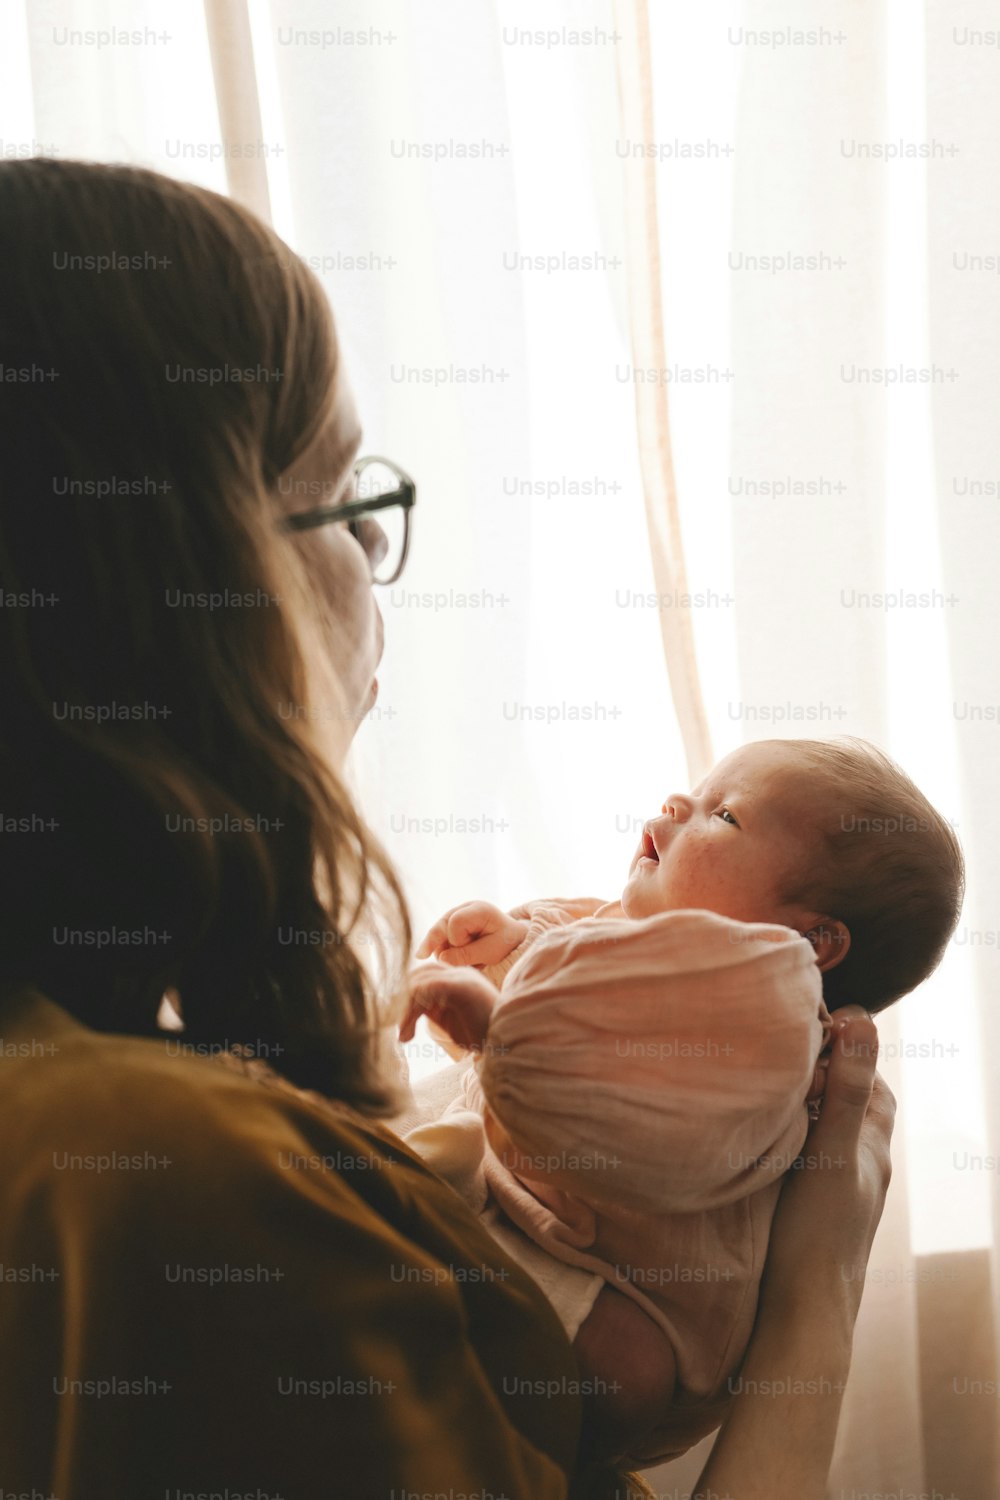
(383, 490)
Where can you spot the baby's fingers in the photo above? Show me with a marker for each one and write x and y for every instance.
(420, 1000)
(475, 919)
(436, 937)
(429, 1003)
(459, 926)
(471, 955)
(408, 1025)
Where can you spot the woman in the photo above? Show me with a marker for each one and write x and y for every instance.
(214, 1279)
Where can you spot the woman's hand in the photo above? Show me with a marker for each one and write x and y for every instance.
(777, 1440)
(474, 934)
(830, 1206)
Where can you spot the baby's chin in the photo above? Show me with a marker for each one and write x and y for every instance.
(638, 900)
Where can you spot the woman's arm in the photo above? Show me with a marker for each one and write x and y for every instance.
(777, 1440)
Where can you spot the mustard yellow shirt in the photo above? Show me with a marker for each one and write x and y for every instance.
(212, 1285)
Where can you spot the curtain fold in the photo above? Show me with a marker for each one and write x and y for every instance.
(227, 23)
(649, 354)
(963, 111)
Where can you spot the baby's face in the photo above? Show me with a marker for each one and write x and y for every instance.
(734, 845)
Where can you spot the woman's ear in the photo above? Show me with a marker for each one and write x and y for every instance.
(831, 940)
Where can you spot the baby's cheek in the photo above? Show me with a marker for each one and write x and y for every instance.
(688, 878)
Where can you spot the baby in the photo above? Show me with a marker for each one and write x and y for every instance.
(643, 1067)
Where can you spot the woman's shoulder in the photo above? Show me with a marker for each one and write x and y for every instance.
(161, 1111)
(183, 1199)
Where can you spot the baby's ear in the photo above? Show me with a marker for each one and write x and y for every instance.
(831, 940)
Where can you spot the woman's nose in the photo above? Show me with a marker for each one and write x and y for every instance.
(678, 807)
(373, 539)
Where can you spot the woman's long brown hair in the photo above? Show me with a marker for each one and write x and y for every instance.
(165, 819)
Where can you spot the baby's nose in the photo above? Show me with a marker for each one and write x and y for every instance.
(677, 807)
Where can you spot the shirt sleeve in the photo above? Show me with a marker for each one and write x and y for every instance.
(656, 1065)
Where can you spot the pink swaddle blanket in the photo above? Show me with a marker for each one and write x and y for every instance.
(653, 1077)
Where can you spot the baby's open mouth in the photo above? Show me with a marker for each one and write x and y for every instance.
(648, 847)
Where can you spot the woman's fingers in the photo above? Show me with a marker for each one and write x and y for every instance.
(831, 1204)
(883, 1105)
(856, 1121)
(850, 1077)
(879, 1123)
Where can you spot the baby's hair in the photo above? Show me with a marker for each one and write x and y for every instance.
(892, 872)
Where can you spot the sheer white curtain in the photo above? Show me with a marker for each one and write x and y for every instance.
(457, 175)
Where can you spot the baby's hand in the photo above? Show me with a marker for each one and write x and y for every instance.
(461, 1004)
(475, 934)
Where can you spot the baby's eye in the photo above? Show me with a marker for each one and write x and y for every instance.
(727, 816)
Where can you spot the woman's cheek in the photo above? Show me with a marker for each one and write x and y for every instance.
(352, 625)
